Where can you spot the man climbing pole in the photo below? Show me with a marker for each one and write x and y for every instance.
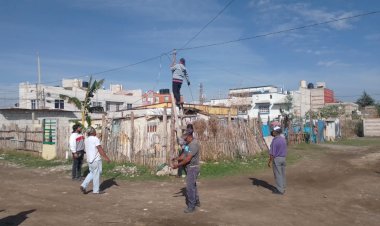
(179, 74)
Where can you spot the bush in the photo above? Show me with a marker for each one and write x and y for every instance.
(359, 131)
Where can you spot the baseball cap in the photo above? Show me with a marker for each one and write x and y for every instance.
(187, 132)
(277, 128)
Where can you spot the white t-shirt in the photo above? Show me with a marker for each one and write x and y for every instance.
(92, 152)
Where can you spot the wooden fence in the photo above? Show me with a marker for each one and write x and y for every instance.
(147, 141)
(21, 139)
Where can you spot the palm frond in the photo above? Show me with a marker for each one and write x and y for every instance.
(72, 100)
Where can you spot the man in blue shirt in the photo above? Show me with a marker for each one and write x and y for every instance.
(277, 155)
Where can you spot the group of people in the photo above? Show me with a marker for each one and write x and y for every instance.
(188, 159)
(79, 145)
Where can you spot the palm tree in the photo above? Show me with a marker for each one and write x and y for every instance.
(84, 106)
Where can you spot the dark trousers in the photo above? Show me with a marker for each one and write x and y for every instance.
(176, 87)
(77, 165)
(191, 186)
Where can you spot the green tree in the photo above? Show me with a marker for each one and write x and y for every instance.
(288, 102)
(332, 111)
(84, 105)
(365, 100)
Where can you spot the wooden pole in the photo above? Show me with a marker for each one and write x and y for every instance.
(165, 136)
(132, 136)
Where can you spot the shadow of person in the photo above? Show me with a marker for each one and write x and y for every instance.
(16, 219)
(182, 193)
(108, 183)
(262, 183)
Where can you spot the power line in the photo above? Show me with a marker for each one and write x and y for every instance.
(205, 26)
(281, 31)
(225, 42)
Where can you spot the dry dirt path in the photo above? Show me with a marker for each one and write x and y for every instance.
(339, 185)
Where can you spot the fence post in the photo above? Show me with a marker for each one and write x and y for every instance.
(132, 136)
(25, 137)
(165, 136)
(104, 132)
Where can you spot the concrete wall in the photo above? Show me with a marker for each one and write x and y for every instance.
(371, 127)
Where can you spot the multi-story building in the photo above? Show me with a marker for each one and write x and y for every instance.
(312, 97)
(266, 101)
(32, 96)
(163, 96)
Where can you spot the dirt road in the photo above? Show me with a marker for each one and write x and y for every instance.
(338, 185)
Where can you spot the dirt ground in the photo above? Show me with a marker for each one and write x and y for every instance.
(339, 185)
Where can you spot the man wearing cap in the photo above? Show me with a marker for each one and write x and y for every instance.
(277, 154)
(191, 161)
(179, 74)
(76, 143)
(94, 153)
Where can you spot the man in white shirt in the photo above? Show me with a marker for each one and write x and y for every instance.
(77, 149)
(94, 153)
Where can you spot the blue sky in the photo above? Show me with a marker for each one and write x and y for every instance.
(82, 37)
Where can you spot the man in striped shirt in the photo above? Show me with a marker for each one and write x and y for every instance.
(77, 149)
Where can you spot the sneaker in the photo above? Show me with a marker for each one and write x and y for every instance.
(83, 190)
(277, 192)
(99, 193)
(189, 210)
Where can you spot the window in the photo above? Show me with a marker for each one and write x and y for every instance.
(152, 128)
(129, 106)
(166, 99)
(264, 109)
(59, 104)
(96, 104)
(157, 99)
(33, 103)
(270, 96)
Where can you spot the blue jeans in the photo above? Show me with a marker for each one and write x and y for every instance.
(94, 176)
(191, 186)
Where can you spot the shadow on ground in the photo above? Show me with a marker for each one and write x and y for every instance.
(16, 219)
(108, 183)
(262, 183)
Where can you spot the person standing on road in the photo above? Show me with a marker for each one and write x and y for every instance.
(277, 160)
(94, 153)
(76, 143)
(179, 74)
(191, 161)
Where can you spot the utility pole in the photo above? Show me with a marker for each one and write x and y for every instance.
(310, 114)
(39, 81)
(201, 94)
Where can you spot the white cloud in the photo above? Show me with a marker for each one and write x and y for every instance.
(331, 63)
(167, 10)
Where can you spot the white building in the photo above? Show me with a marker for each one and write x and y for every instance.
(266, 101)
(32, 96)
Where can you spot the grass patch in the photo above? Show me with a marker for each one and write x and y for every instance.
(132, 172)
(234, 167)
(110, 170)
(30, 159)
(129, 171)
(360, 141)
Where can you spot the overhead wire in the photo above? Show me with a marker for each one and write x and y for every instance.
(280, 31)
(206, 25)
(224, 43)
(221, 43)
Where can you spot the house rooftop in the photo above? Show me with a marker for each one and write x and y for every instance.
(254, 87)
